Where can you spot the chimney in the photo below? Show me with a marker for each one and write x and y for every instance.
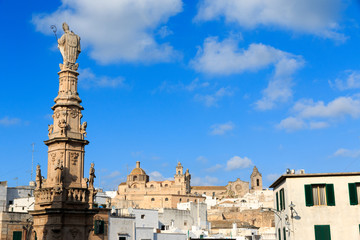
(137, 164)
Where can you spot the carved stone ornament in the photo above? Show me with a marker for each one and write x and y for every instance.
(74, 232)
(56, 233)
(74, 156)
(74, 113)
(56, 114)
(53, 156)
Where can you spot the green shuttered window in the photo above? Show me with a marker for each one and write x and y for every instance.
(284, 233)
(322, 232)
(17, 235)
(281, 195)
(353, 194)
(279, 234)
(319, 194)
(309, 196)
(99, 227)
(330, 195)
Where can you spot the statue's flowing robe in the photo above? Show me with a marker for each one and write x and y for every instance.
(69, 45)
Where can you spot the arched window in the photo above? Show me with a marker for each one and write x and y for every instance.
(134, 178)
(134, 186)
(187, 200)
(166, 199)
(152, 186)
(153, 199)
(257, 182)
(180, 200)
(195, 200)
(179, 172)
(166, 185)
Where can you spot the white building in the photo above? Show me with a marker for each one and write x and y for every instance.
(104, 198)
(187, 216)
(320, 206)
(138, 224)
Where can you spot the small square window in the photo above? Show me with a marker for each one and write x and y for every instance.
(142, 216)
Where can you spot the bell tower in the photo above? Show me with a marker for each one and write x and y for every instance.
(63, 201)
(256, 179)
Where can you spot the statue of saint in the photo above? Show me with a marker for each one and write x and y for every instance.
(69, 46)
(38, 177)
(58, 172)
(50, 129)
(62, 125)
(83, 129)
(92, 176)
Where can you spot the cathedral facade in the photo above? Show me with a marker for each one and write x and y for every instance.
(138, 191)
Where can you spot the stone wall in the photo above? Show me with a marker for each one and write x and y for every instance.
(11, 221)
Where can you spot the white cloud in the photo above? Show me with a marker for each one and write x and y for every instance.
(342, 152)
(202, 159)
(237, 162)
(351, 80)
(206, 181)
(225, 58)
(116, 31)
(7, 121)
(272, 177)
(113, 174)
(156, 176)
(291, 124)
(318, 125)
(212, 99)
(192, 86)
(307, 112)
(214, 168)
(221, 129)
(87, 79)
(306, 16)
(339, 107)
(164, 31)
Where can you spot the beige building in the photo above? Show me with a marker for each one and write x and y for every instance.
(320, 206)
(139, 192)
(235, 189)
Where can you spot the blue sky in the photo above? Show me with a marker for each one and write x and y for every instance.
(220, 85)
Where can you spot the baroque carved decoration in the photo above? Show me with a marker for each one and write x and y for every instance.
(74, 157)
(53, 156)
(74, 113)
(74, 232)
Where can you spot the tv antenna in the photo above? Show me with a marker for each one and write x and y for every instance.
(32, 160)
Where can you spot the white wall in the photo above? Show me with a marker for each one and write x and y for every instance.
(170, 236)
(150, 218)
(22, 205)
(121, 225)
(3, 196)
(343, 218)
(194, 214)
(144, 233)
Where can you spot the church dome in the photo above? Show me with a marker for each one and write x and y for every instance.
(138, 170)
